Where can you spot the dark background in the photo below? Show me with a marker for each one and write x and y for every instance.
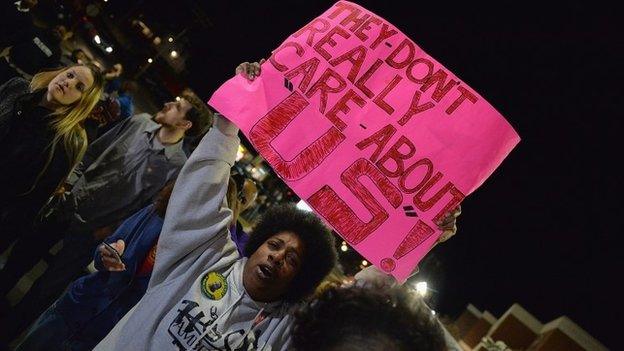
(541, 231)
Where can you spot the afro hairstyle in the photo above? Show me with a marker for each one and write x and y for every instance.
(319, 245)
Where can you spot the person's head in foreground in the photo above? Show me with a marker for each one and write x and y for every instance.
(367, 319)
(290, 252)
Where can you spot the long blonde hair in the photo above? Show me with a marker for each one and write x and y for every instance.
(68, 121)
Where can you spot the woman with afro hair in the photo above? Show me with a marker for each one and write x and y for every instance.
(202, 294)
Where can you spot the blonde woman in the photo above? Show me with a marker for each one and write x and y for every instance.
(42, 139)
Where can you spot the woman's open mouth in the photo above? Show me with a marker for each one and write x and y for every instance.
(265, 271)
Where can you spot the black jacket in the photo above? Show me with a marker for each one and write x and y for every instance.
(25, 139)
(15, 26)
(40, 51)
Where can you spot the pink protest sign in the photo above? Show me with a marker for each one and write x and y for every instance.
(374, 134)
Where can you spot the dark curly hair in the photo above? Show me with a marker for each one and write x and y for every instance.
(318, 242)
(359, 318)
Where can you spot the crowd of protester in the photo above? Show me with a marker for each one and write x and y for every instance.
(174, 268)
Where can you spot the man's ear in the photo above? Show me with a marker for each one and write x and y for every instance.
(186, 124)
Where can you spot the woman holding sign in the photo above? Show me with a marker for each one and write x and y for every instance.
(202, 295)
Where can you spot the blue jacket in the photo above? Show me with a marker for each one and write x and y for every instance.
(94, 303)
(126, 105)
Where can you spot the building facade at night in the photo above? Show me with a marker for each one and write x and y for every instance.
(519, 330)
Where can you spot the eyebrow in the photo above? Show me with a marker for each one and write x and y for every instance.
(289, 249)
(79, 77)
(298, 258)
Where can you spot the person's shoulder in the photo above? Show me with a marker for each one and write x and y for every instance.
(147, 210)
(143, 117)
(10, 91)
(17, 84)
(178, 159)
(125, 98)
(143, 120)
(140, 216)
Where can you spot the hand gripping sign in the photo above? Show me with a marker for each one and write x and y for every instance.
(375, 135)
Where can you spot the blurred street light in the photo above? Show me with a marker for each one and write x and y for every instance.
(173, 54)
(421, 288)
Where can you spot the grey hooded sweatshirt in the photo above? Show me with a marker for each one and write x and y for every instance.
(196, 299)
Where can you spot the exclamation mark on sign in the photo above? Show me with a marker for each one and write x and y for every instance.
(416, 236)
(288, 84)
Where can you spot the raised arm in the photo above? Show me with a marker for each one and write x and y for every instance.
(197, 215)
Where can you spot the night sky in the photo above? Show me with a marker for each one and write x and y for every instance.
(541, 231)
